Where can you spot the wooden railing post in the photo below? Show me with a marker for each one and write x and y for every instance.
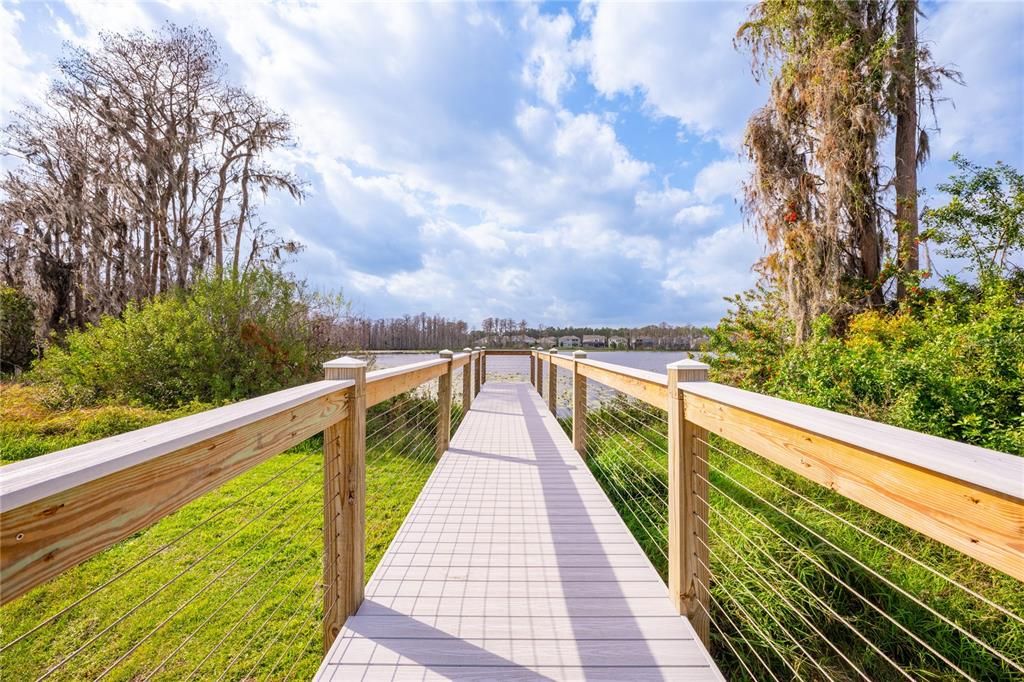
(444, 406)
(688, 579)
(476, 370)
(579, 405)
(344, 502)
(483, 365)
(467, 381)
(533, 368)
(552, 382)
(540, 372)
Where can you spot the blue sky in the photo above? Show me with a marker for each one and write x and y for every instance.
(562, 163)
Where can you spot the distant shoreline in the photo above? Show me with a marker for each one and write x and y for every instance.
(586, 348)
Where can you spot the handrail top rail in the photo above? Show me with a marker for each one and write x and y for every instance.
(990, 469)
(997, 471)
(391, 372)
(639, 374)
(33, 479)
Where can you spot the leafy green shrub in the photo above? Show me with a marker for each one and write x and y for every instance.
(954, 370)
(28, 428)
(17, 330)
(952, 366)
(224, 340)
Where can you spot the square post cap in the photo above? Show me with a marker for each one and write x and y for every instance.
(553, 351)
(579, 353)
(688, 363)
(445, 353)
(467, 349)
(346, 362)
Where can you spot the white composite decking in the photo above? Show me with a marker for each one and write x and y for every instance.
(513, 565)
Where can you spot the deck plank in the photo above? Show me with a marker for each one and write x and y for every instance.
(513, 565)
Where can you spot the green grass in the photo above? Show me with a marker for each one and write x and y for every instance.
(241, 575)
(770, 567)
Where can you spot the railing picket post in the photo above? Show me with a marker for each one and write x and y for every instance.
(579, 405)
(552, 382)
(467, 381)
(688, 579)
(444, 405)
(344, 502)
(533, 368)
(540, 372)
(476, 370)
(483, 365)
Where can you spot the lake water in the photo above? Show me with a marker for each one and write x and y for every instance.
(517, 368)
(653, 361)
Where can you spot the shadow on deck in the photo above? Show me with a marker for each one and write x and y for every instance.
(513, 564)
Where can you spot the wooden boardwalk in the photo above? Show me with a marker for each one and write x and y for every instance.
(513, 565)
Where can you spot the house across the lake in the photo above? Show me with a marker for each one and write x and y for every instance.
(595, 340)
(569, 341)
(546, 341)
(618, 342)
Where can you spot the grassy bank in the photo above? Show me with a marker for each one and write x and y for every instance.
(781, 548)
(229, 583)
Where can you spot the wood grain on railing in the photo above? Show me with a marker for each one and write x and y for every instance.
(387, 383)
(966, 497)
(344, 502)
(689, 582)
(553, 380)
(579, 405)
(649, 387)
(60, 509)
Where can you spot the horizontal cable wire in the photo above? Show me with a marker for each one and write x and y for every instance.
(868, 534)
(800, 612)
(248, 643)
(288, 626)
(657, 446)
(619, 492)
(414, 442)
(408, 429)
(725, 638)
(753, 622)
(309, 573)
(140, 562)
(257, 572)
(287, 647)
(771, 614)
(719, 584)
(413, 435)
(212, 581)
(640, 467)
(876, 574)
(167, 584)
(825, 569)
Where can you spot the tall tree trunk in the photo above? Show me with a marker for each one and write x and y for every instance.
(243, 215)
(906, 144)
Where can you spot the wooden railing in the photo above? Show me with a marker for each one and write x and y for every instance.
(965, 497)
(60, 509)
